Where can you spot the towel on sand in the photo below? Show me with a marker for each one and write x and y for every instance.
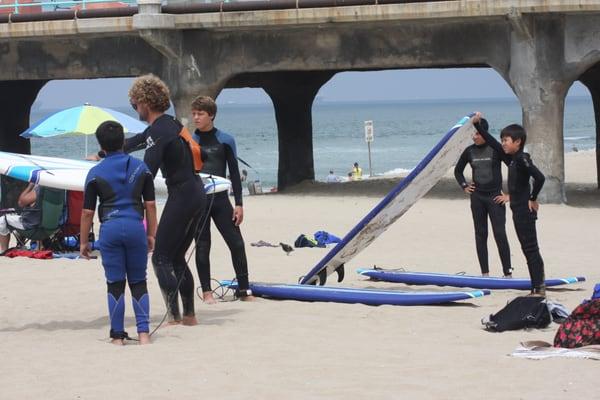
(538, 350)
(39, 254)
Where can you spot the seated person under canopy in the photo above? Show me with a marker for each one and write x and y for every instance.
(27, 218)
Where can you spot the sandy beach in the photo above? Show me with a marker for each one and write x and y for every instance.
(54, 325)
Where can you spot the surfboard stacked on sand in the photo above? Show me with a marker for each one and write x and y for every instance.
(458, 280)
(393, 206)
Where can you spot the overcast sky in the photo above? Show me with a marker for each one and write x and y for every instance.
(421, 84)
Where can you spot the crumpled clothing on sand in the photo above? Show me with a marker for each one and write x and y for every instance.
(262, 243)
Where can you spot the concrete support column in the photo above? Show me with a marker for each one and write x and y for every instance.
(293, 94)
(543, 119)
(15, 105)
(185, 85)
(537, 76)
(591, 79)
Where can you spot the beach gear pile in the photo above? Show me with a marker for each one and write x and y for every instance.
(319, 239)
(520, 313)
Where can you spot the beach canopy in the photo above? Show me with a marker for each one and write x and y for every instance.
(81, 120)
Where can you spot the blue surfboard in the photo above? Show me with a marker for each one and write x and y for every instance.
(422, 178)
(475, 282)
(371, 297)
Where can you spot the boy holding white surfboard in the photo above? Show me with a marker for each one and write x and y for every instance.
(222, 156)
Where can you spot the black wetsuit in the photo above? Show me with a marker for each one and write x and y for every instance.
(221, 156)
(520, 170)
(182, 211)
(487, 176)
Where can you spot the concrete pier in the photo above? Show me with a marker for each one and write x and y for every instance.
(539, 47)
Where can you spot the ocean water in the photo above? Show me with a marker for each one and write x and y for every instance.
(403, 133)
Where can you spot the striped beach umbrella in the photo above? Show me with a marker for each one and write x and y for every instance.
(81, 120)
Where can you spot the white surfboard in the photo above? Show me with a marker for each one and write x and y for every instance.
(421, 179)
(64, 173)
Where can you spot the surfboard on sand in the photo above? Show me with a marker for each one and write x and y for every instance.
(421, 179)
(351, 295)
(470, 281)
(63, 173)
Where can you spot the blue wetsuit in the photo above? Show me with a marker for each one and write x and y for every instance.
(221, 154)
(122, 182)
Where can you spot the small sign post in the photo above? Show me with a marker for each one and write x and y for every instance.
(369, 138)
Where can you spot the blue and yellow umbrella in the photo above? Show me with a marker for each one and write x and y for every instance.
(81, 120)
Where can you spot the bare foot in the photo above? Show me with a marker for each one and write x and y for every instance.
(247, 298)
(117, 342)
(485, 275)
(189, 320)
(144, 338)
(174, 322)
(208, 298)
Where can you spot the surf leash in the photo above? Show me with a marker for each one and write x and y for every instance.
(220, 291)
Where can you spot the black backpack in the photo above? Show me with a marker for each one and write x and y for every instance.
(520, 313)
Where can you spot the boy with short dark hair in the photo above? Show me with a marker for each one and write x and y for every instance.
(125, 188)
(521, 195)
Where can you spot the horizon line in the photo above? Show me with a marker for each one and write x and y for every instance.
(324, 101)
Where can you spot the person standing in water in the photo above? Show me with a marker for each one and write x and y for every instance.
(356, 172)
(221, 157)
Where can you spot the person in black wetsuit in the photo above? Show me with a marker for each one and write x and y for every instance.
(487, 184)
(221, 156)
(521, 195)
(167, 151)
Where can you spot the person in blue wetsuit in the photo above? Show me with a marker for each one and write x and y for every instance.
(221, 156)
(521, 194)
(486, 185)
(168, 151)
(125, 188)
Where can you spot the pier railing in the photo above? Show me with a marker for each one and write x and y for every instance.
(182, 7)
(32, 6)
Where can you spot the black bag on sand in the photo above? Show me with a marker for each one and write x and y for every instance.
(522, 312)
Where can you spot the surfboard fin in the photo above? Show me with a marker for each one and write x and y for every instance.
(340, 272)
(322, 276)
